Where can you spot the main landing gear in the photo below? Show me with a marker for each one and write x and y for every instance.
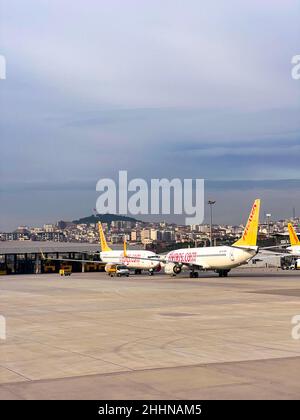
(223, 273)
(194, 274)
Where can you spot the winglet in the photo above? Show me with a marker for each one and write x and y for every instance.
(249, 237)
(293, 235)
(103, 243)
(43, 255)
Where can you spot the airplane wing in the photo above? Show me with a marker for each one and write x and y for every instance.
(244, 247)
(273, 255)
(154, 258)
(158, 258)
(274, 247)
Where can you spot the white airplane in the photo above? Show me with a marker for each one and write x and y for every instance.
(136, 260)
(220, 259)
(292, 250)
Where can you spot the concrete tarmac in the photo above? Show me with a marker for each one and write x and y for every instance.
(92, 337)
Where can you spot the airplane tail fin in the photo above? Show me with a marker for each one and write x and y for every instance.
(293, 235)
(249, 237)
(103, 243)
(125, 248)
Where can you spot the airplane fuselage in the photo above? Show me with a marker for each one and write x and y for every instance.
(134, 259)
(213, 258)
(294, 250)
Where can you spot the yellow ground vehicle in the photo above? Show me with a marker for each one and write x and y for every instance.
(3, 269)
(117, 270)
(65, 270)
(91, 266)
(49, 267)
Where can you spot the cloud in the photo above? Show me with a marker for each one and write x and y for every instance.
(139, 54)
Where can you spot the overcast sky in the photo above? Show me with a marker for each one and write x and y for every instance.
(189, 89)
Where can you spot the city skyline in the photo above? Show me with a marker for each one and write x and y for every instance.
(117, 225)
(233, 201)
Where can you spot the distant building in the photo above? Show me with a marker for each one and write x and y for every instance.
(155, 235)
(135, 236)
(204, 228)
(61, 224)
(146, 236)
(49, 228)
(50, 236)
(168, 236)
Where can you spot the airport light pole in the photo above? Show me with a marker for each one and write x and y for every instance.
(268, 215)
(211, 203)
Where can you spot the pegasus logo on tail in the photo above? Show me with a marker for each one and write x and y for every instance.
(249, 237)
(293, 236)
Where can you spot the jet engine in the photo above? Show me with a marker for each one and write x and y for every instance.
(158, 268)
(172, 268)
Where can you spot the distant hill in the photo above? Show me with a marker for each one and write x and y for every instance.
(105, 218)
